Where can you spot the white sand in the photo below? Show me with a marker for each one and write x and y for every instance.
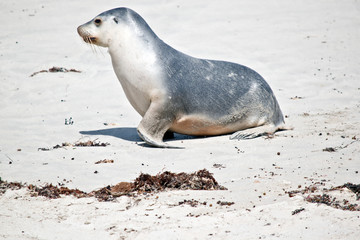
(303, 48)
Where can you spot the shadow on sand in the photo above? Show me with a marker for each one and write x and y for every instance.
(129, 134)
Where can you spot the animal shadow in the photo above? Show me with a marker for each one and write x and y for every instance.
(127, 133)
(130, 134)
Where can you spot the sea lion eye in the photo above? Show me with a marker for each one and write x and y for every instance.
(97, 21)
(116, 21)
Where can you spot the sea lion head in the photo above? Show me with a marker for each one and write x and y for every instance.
(112, 25)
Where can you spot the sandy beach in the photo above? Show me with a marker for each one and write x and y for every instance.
(308, 52)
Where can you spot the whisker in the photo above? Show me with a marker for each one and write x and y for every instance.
(100, 51)
(90, 40)
(91, 44)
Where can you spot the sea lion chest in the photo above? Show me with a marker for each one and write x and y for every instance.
(137, 67)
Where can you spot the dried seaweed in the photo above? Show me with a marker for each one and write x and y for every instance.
(105, 161)
(54, 192)
(225, 203)
(200, 180)
(333, 202)
(145, 183)
(329, 149)
(355, 188)
(9, 185)
(296, 211)
(89, 143)
(110, 193)
(324, 197)
(55, 69)
(334, 149)
(192, 203)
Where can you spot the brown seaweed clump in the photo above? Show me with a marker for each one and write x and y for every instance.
(4, 185)
(200, 180)
(144, 183)
(54, 192)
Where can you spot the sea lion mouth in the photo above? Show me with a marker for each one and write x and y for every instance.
(90, 40)
(86, 36)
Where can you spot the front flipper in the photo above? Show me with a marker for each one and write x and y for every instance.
(154, 125)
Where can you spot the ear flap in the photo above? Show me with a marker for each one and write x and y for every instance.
(115, 20)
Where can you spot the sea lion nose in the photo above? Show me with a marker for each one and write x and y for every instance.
(79, 30)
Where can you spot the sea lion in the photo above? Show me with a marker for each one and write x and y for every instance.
(175, 92)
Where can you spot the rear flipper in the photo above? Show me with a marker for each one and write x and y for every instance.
(265, 130)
